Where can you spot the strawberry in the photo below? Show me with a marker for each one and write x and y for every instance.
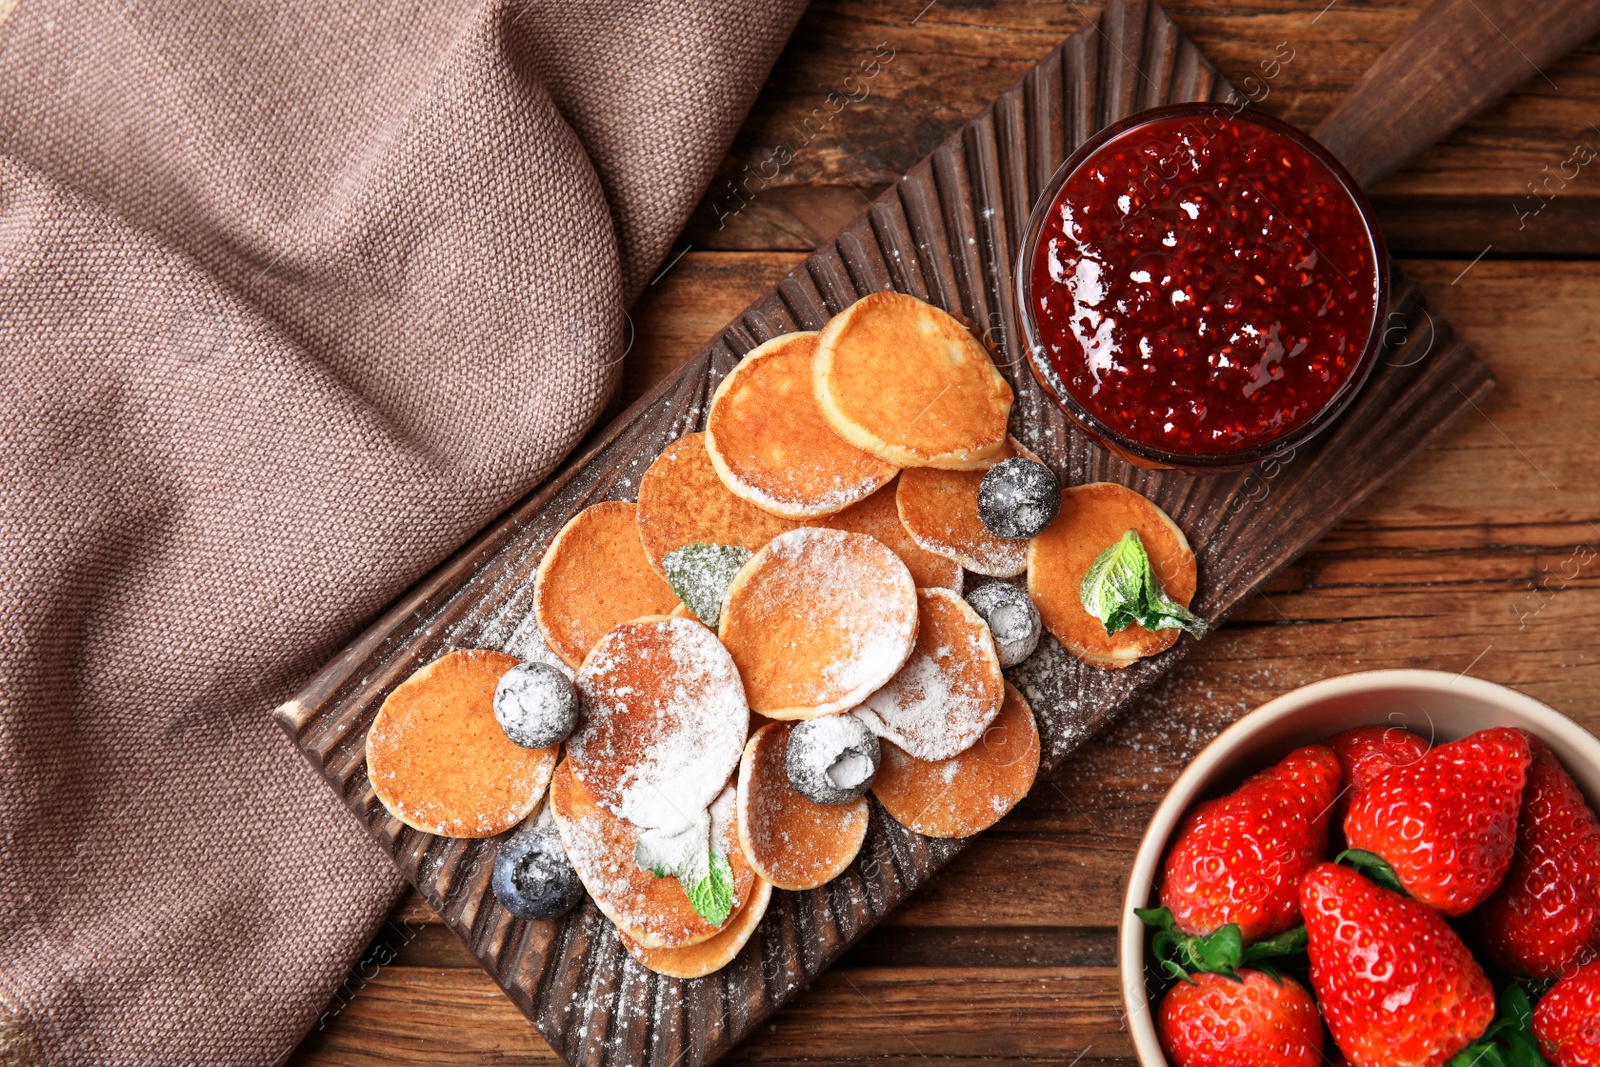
(1239, 858)
(1397, 987)
(1251, 1020)
(1567, 1020)
(1447, 823)
(1368, 751)
(1544, 920)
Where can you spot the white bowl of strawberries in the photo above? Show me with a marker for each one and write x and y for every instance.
(1387, 869)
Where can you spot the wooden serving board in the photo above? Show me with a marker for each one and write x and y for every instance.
(948, 233)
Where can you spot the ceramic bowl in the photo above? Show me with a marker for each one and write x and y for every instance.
(1436, 704)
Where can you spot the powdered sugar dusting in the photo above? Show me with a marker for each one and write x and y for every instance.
(650, 909)
(948, 691)
(851, 597)
(664, 722)
(527, 644)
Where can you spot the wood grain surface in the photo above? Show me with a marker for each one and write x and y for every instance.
(1469, 558)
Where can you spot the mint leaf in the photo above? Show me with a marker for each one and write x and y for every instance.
(701, 573)
(1121, 588)
(680, 853)
(712, 896)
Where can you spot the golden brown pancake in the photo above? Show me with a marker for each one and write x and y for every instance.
(440, 763)
(792, 842)
(910, 384)
(949, 690)
(682, 501)
(817, 620)
(664, 721)
(969, 792)
(940, 511)
(770, 444)
(593, 576)
(710, 956)
(1094, 517)
(879, 516)
(653, 911)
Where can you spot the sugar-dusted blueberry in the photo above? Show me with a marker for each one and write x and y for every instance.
(532, 876)
(1018, 498)
(832, 759)
(1012, 617)
(536, 705)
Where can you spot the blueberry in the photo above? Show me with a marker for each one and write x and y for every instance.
(1012, 617)
(1018, 498)
(536, 705)
(831, 760)
(533, 877)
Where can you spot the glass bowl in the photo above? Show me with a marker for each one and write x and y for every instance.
(1129, 447)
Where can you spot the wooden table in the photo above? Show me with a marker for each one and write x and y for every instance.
(1482, 556)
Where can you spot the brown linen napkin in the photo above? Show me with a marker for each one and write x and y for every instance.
(293, 299)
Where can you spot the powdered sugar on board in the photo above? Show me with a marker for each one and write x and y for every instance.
(527, 644)
(664, 722)
(950, 689)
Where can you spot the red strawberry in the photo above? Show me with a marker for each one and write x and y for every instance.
(1239, 858)
(1368, 751)
(1397, 987)
(1545, 918)
(1567, 1020)
(1448, 822)
(1251, 1021)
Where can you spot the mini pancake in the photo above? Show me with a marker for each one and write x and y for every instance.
(770, 444)
(710, 956)
(791, 841)
(909, 383)
(1094, 517)
(439, 761)
(969, 792)
(664, 721)
(682, 501)
(878, 516)
(653, 911)
(949, 691)
(817, 620)
(940, 511)
(593, 576)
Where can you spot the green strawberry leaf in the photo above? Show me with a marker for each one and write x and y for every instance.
(1509, 1040)
(712, 896)
(1373, 866)
(1287, 943)
(1222, 951)
(1121, 588)
(700, 575)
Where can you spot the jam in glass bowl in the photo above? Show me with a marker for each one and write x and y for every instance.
(1202, 286)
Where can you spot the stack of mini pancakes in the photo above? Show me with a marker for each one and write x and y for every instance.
(847, 464)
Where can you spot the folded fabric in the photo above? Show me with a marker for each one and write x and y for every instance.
(293, 299)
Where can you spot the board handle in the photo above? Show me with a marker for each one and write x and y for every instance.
(1458, 57)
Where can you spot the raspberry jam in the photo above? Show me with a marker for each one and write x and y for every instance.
(1204, 284)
